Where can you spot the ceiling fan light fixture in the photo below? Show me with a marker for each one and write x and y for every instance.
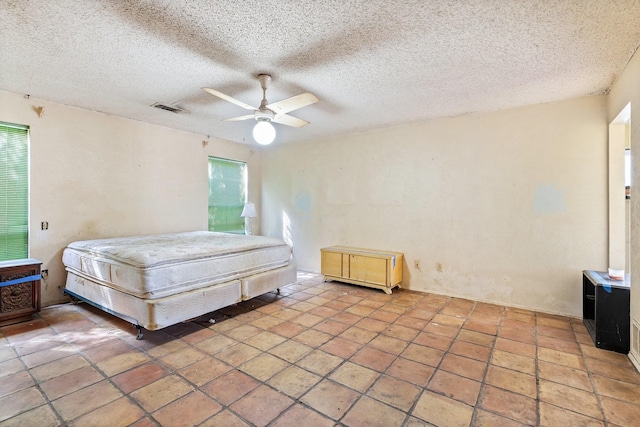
(263, 132)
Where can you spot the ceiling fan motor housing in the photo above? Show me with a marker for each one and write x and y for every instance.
(263, 114)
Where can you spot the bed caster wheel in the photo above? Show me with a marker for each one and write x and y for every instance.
(278, 291)
(139, 328)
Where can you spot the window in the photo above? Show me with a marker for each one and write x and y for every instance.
(227, 194)
(14, 191)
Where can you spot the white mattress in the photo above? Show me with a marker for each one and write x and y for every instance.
(156, 266)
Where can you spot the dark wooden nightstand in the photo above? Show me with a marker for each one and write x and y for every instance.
(19, 290)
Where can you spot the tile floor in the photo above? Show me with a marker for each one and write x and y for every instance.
(318, 354)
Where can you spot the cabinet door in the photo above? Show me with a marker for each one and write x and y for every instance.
(368, 269)
(332, 264)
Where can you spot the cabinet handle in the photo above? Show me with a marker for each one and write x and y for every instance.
(591, 297)
(15, 293)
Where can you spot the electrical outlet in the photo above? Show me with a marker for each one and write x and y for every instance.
(44, 274)
(44, 225)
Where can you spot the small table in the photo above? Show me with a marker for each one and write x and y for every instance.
(605, 310)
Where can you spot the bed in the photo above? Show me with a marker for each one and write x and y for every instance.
(159, 280)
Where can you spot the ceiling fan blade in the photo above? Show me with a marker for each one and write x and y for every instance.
(228, 98)
(237, 119)
(285, 119)
(293, 103)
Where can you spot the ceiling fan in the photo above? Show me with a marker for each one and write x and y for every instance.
(264, 133)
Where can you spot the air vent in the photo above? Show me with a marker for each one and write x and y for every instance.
(169, 108)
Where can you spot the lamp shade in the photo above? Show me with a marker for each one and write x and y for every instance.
(264, 133)
(249, 211)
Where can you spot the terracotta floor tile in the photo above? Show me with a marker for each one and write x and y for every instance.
(435, 341)
(70, 382)
(341, 347)
(510, 405)
(58, 367)
(385, 316)
(463, 366)
(442, 411)
(287, 329)
(419, 353)
(15, 382)
(620, 413)
(359, 335)
(561, 358)
(395, 392)
(120, 412)
(230, 387)
(265, 340)
(181, 358)
(487, 419)
(19, 402)
(354, 376)
(388, 344)
(157, 394)
(107, 350)
(367, 412)
(516, 347)
(266, 322)
(294, 381)
(480, 326)
(291, 351)
(400, 332)
(570, 398)
(360, 310)
(172, 345)
(552, 416)
(374, 359)
(411, 322)
(214, 344)
(224, 418)
(440, 329)
(238, 354)
(514, 362)
(476, 337)
(421, 314)
(455, 387)
(286, 314)
(410, 371)
(243, 332)
(6, 351)
(330, 399)
(86, 400)
(562, 374)
(470, 350)
(312, 338)
(191, 409)
(319, 362)
(42, 416)
(139, 376)
(372, 325)
(123, 362)
(262, 405)
(619, 371)
(205, 370)
(331, 327)
(299, 415)
(307, 320)
(44, 356)
(589, 350)
(348, 318)
(616, 389)
(263, 366)
(451, 319)
(554, 322)
(324, 312)
(514, 381)
(517, 334)
(338, 305)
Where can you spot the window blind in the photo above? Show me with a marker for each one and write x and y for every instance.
(14, 191)
(227, 194)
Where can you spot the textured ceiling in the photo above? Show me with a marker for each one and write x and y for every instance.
(372, 63)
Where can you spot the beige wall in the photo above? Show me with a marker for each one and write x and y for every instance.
(94, 175)
(627, 90)
(506, 207)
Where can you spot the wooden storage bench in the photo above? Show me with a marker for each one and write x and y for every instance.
(366, 267)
